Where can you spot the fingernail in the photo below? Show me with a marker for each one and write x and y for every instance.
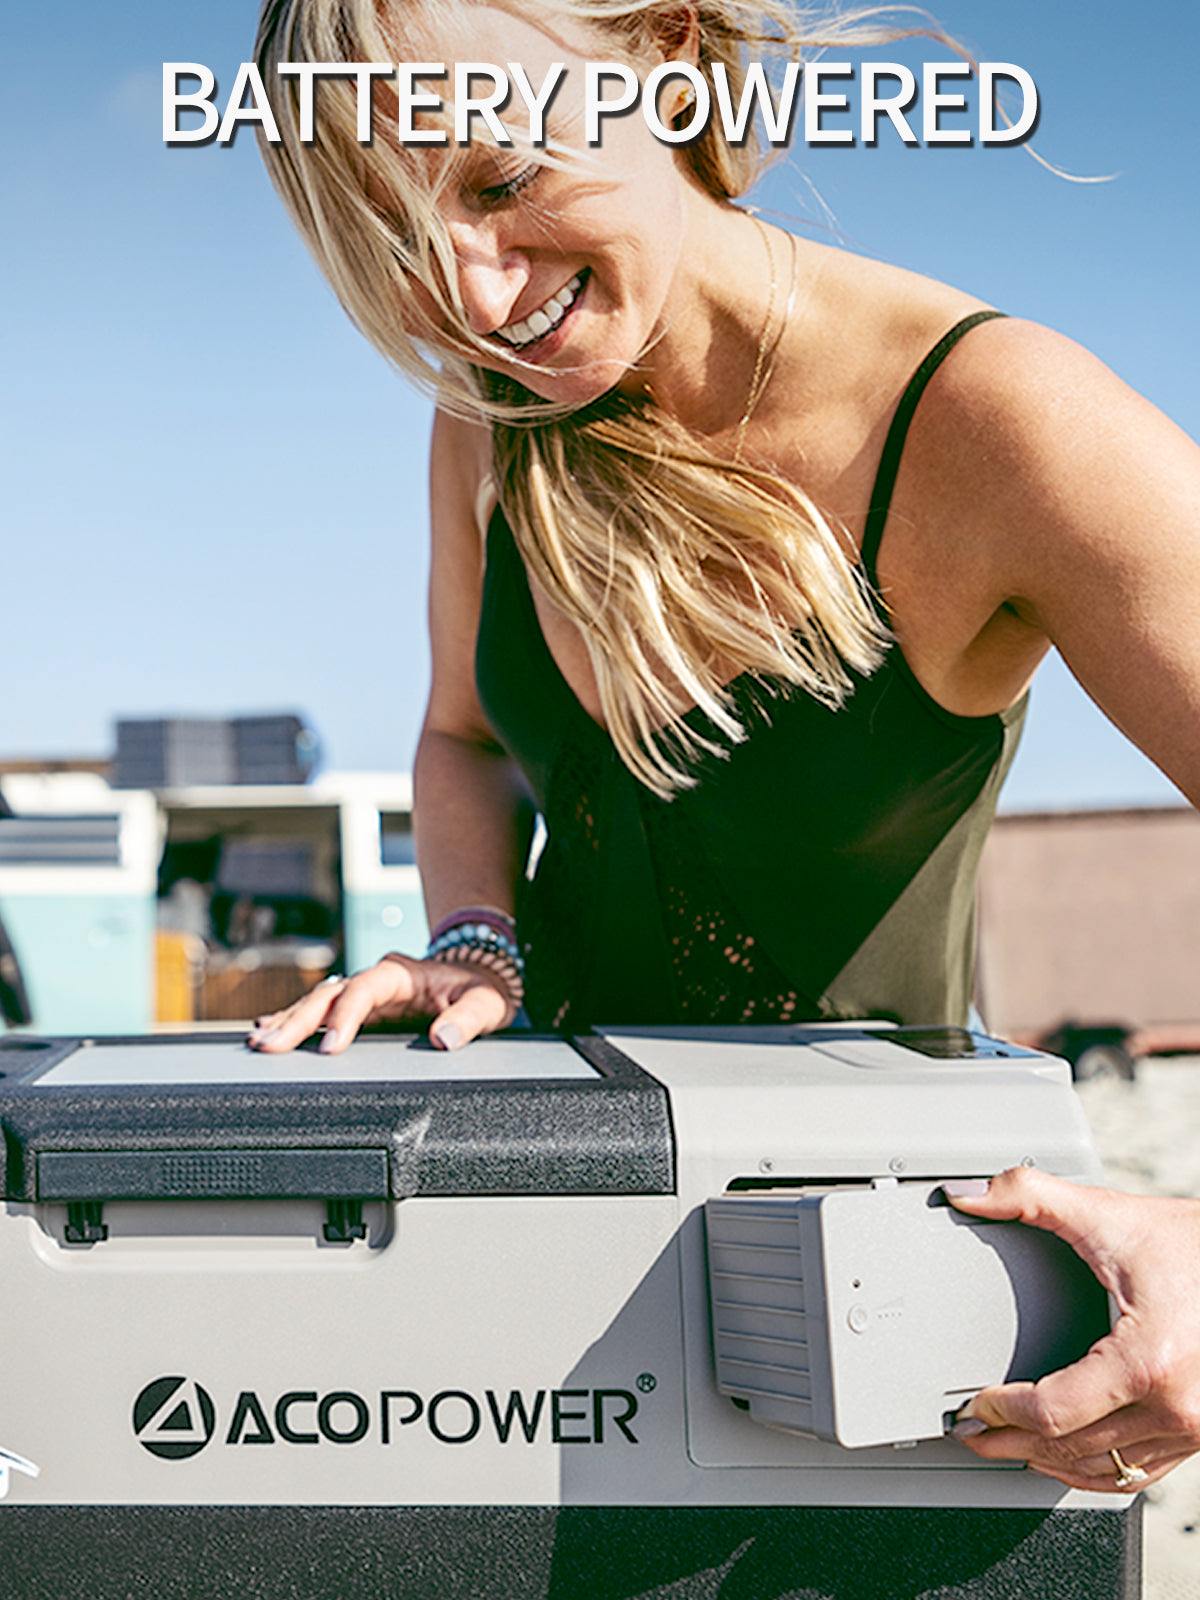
(330, 1042)
(965, 1188)
(449, 1037)
(968, 1428)
(262, 1035)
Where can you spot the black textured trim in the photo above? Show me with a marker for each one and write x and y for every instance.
(576, 1553)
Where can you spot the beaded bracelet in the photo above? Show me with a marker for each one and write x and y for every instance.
(463, 938)
(491, 915)
(480, 936)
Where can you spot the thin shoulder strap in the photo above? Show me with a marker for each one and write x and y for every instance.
(889, 462)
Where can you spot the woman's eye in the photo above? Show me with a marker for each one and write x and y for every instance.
(511, 186)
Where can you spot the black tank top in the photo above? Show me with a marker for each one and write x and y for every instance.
(826, 868)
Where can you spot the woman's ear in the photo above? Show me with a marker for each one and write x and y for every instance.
(676, 31)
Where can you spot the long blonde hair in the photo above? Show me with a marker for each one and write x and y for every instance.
(670, 558)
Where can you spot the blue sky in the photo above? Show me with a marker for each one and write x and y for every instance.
(215, 491)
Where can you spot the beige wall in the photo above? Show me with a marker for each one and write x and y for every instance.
(1093, 916)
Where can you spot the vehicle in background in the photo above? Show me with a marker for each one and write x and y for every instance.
(383, 906)
(77, 897)
(1090, 934)
(129, 909)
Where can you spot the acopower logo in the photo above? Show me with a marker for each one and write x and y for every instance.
(175, 1417)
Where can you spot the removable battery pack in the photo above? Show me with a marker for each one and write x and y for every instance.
(866, 1314)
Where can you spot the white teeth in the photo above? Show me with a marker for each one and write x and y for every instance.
(546, 317)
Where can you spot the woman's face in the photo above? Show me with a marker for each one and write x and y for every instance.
(602, 245)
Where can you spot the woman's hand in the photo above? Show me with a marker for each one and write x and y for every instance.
(464, 1001)
(1138, 1389)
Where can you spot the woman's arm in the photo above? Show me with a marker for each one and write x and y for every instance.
(466, 788)
(1082, 505)
(472, 816)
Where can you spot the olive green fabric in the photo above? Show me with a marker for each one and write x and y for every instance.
(825, 866)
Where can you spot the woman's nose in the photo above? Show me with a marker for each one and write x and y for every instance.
(492, 276)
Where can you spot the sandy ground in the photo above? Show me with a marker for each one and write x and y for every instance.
(1148, 1133)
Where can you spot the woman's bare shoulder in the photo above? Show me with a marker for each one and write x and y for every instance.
(1004, 407)
(1052, 459)
(1017, 422)
(863, 328)
(875, 313)
(941, 564)
(1026, 471)
(1013, 376)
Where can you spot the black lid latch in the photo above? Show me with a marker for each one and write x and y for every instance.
(344, 1221)
(85, 1224)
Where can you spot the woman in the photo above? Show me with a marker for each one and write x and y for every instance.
(766, 741)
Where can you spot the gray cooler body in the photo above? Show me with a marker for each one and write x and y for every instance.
(651, 1312)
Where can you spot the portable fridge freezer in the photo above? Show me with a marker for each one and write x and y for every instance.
(652, 1312)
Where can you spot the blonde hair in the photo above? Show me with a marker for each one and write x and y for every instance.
(669, 557)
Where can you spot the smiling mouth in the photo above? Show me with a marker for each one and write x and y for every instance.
(549, 334)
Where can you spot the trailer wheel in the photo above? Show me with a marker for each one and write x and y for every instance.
(1098, 1062)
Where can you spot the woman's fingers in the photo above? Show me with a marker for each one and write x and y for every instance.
(1090, 1219)
(464, 1001)
(378, 986)
(1063, 1402)
(1106, 1482)
(1082, 1464)
(472, 1007)
(1126, 1429)
(1149, 1454)
(285, 1029)
(387, 987)
(1130, 1427)
(1144, 1447)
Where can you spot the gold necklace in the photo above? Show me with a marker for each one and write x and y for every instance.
(759, 381)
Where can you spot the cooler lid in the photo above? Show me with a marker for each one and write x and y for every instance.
(200, 1116)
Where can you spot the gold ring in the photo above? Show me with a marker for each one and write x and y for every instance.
(1127, 1473)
